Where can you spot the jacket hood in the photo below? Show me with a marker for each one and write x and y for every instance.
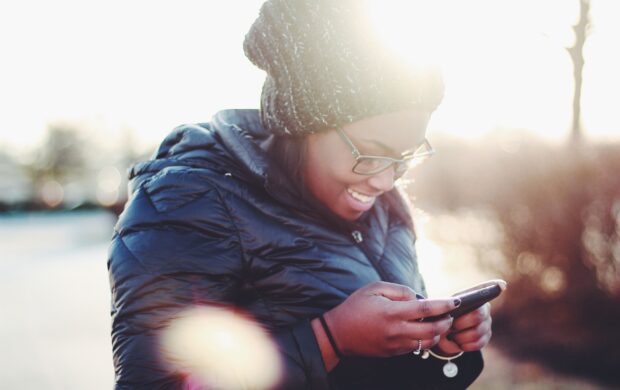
(229, 143)
(233, 143)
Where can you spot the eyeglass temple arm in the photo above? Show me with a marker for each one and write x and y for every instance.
(346, 139)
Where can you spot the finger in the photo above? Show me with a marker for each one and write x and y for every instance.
(473, 318)
(409, 345)
(426, 343)
(471, 335)
(423, 330)
(418, 309)
(392, 291)
(477, 345)
(448, 347)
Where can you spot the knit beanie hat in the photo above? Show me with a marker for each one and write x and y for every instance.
(325, 68)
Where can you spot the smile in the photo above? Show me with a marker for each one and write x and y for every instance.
(361, 197)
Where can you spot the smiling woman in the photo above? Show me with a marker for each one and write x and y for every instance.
(287, 217)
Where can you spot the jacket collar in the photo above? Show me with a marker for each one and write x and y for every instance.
(246, 140)
(242, 134)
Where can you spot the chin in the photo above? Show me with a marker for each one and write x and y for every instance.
(348, 216)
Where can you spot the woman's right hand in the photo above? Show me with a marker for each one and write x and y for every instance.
(383, 319)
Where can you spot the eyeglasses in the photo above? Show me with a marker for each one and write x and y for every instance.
(371, 165)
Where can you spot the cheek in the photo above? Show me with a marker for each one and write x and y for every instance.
(341, 176)
(329, 172)
(331, 167)
(328, 180)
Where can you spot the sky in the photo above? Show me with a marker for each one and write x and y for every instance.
(113, 67)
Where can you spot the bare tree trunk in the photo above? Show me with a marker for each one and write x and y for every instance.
(581, 29)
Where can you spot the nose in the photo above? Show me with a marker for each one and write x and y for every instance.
(384, 180)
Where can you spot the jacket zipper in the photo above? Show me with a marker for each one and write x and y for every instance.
(358, 238)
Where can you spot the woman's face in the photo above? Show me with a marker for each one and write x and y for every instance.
(329, 163)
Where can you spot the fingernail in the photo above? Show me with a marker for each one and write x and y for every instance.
(457, 302)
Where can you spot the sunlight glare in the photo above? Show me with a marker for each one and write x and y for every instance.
(219, 348)
(501, 68)
(504, 62)
(407, 28)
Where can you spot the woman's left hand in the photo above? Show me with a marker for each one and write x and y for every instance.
(469, 332)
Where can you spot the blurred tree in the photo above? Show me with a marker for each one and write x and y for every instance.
(62, 153)
(14, 185)
(562, 232)
(559, 213)
(128, 154)
(60, 159)
(582, 30)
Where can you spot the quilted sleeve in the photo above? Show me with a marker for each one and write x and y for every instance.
(176, 247)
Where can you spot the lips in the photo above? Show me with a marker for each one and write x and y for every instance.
(361, 197)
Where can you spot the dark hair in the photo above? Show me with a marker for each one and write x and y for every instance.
(290, 153)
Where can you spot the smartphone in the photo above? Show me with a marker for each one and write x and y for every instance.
(474, 297)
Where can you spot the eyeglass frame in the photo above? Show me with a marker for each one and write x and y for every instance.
(404, 162)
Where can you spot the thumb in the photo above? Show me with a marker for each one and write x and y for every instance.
(393, 291)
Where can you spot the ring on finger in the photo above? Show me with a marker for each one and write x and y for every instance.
(419, 349)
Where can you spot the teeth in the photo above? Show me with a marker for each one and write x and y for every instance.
(360, 197)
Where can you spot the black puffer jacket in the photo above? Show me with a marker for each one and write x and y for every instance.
(211, 220)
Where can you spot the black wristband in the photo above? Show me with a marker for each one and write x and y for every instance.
(330, 337)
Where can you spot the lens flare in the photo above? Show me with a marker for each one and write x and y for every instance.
(216, 348)
(52, 193)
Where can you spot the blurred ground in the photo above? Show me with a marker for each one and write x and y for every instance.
(55, 310)
(55, 302)
(503, 372)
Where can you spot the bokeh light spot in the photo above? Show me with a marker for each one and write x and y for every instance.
(220, 349)
(52, 193)
(552, 280)
(528, 263)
